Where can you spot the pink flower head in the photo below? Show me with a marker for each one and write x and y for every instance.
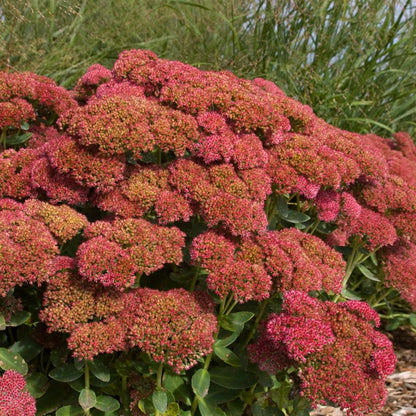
(106, 262)
(215, 147)
(341, 358)
(15, 400)
(14, 112)
(244, 280)
(93, 338)
(248, 152)
(171, 206)
(328, 205)
(26, 249)
(373, 228)
(15, 173)
(69, 300)
(62, 221)
(212, 122)
(88, 83)
(175, 327)
(86, 168)
(350, 206)
(239, 216)
(141, 247)
(399, 267)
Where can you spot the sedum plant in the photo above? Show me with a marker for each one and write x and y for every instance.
(185, 242)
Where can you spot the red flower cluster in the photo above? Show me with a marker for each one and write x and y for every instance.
(116, 251)
(175, 327)
(340, 357)
(26, 97)
(399, 267)
(154, 142)
(26, 248)
(289, 258)
(15, 400)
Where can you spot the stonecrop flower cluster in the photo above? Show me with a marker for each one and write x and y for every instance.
(15, 400)
(155, 168)
(341, 358)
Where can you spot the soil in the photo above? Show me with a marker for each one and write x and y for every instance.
(401, 385)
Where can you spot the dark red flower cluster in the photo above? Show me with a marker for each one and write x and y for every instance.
(341, 358)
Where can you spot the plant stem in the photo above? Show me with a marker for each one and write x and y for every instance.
(87, 382)
(159, 375)
(3, 138)
(256, 322)
(194, 279)
(159, 382)
(124, 395)
(355, 258)
(209, 356)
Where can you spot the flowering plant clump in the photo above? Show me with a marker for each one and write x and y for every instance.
(183, 242)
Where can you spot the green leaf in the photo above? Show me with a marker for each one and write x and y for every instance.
(394, 323)
(208, 409)
(19, 318)
(362, 102)
(37, 384)
(200, 382)
(77, 384)
(367, 273)
(232, 378)
(10, 360)
(172, 410)
(369, 122)
(349, 295)
(296, 217)
(412, 319)
(226, 355)
(57, 395)
(282, 208)
(176, 386)
(18, 139)
(100, 370)
(87, 399)
(27, 348)
(107, 404)
(280, 396)
(236, 320)
(240, 318)
(160, 400)
(224, 342)
(65, 373)
(218, 394)
(70, 411)
(2, 323)
(79, 364)
(58, 357)
(257, 410)
(24, 125)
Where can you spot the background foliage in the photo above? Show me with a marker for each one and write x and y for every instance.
(352, 61)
